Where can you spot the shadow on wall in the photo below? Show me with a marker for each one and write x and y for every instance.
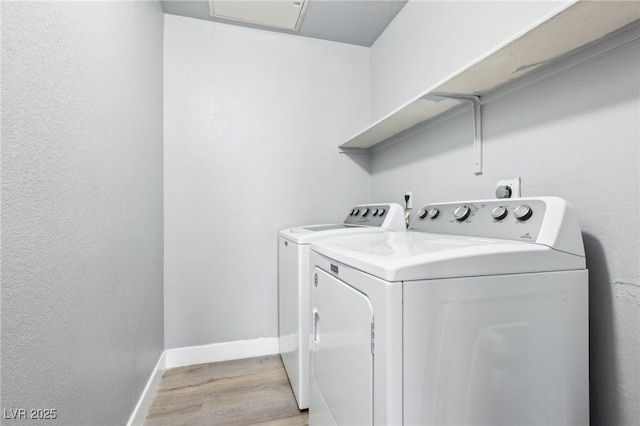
(430, 141)
(603, 368)
(361, 160)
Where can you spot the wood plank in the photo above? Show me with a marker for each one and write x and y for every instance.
(252, 391)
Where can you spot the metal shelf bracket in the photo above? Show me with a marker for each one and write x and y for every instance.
(477, 124)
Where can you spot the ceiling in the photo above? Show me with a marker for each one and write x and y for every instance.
(357, 22)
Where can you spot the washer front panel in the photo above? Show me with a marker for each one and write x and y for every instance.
(293, 330)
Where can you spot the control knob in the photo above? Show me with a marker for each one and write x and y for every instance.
(356, 212)
(365, 211)
(381, 212)
(374, 212)
(499, 213)
(523, 212)
(461, 213)
(433, 213)
(423, 213)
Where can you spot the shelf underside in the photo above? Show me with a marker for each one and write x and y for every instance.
(579, 25)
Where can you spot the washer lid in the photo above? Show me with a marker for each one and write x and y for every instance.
(310, 233)
(407, 256)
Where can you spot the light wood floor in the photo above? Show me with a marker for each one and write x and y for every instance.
(252, 391)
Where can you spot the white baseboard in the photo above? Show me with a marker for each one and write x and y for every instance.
(139, 413)
(216, 352)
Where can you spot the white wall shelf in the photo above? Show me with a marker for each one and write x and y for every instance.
(579, 24)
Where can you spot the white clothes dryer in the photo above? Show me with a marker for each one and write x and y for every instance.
(478, 314)
(294, 305)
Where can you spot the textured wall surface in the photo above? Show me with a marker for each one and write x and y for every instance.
(252, 124)
(82, 304)
(574, 135)
(429, 40)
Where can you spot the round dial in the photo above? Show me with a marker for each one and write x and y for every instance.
(523, 212)
(461, 213)
(422, 213)
(433, 213)
(356, 212)
(375, 212)
(499, 213)
(353, 211)
(381, 212)
(365, 211)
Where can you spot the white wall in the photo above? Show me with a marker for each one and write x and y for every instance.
(574, 135)
(429, 40)
(82, 306)
(252, 122)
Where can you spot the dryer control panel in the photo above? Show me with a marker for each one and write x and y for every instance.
(377, 215)
(503, 219)
(545, 220)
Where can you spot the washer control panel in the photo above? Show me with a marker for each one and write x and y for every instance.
(508, 219)
(368, 215)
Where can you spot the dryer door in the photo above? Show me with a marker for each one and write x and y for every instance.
(342, 357)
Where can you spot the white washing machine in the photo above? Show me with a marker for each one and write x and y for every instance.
(294, 305)
(478, 315)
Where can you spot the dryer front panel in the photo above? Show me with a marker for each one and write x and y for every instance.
(342, 353)
(502, 350)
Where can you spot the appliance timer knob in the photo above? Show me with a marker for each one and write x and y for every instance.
(523, 212)
(461, 213)
(499, 213)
